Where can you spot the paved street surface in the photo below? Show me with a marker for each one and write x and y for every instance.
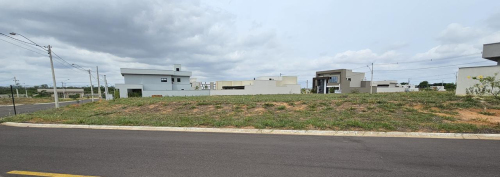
(9, 110)
(148, 153)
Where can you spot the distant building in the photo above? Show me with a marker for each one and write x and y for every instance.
(63, 93)
(466, 74)
(438, 88)
(261, 85)
(346, 81)
(149, 83)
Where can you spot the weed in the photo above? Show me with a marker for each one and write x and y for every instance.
(281, 107)
(487, 113)
(267, 105)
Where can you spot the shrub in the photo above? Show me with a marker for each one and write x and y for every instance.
(267, 105)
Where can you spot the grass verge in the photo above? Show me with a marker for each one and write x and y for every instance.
(415, 111)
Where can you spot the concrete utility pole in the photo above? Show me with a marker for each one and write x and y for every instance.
(17, 84)
(56, 96)
(91, 87)
(307, 84)
(371, 81)
(105, 87)
(98, 84)
(64, 94)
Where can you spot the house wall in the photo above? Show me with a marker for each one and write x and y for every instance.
(356, 78)
(464, 78)
(183, 85)
(492, 52)
(177, 93)
(390, 89)
(153, 82)
(261, 87)
(150, 82)
(123, 88)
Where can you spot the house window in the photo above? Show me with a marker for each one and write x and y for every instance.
(177, 69)
(349, 79)
(173, 80)
(164, 79)
(334, 79)
(178, 79)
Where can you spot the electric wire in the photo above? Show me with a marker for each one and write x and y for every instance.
(23, 47)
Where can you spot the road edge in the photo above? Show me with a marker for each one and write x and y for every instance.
(267, 131)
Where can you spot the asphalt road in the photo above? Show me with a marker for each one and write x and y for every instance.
(20, 109)
(148, 153)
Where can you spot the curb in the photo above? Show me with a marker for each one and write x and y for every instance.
(268, 131)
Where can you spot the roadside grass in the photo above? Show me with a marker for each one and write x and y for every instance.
(415, 111)
(8, 101)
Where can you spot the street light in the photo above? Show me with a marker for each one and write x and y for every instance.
(56, 97)
(64, 88)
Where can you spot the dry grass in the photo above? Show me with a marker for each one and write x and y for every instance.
(422, 111)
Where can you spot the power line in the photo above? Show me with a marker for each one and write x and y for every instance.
(444, 66)
(428, 60)
(23, 47)
(420, 77)
(18, 39)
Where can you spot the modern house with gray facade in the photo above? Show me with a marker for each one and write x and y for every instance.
(346, 81)
(341, 81)
(466, 74)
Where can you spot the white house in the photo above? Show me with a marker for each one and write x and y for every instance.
(466, 74)
(150, 82)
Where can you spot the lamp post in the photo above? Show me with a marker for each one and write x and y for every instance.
(49, 50)
(64, 88)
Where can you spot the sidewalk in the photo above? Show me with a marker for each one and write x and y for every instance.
(269, 131)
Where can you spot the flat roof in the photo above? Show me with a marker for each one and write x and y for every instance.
(125, 71)
(492, 43)
(479, 66)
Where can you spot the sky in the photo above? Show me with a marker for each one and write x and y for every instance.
(240, 40)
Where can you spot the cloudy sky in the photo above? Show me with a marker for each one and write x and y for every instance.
(239, 40)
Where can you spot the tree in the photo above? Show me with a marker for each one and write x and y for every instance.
(404, 83)
(423, 84)
(44, 86)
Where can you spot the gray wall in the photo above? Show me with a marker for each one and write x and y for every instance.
(149, 82)
(184, 84)
(177, 93)
(491, 51)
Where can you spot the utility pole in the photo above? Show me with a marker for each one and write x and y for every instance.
(64, 94)
(106, 87)
(307, 84)
(456, 77)
(408, 81)
(91, 87)
(17, 84)
(371, 81)
(56, 96)
(13, 102)
(98, 84)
